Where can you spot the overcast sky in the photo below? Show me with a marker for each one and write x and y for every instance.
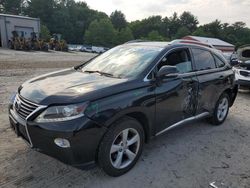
(206, 10)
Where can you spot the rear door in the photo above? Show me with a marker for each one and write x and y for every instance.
(176, 98)
(211, 79)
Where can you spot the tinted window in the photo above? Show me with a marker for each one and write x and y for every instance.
(203, 59)
(179, 58)
(219, 62)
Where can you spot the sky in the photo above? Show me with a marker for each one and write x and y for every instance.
(206, 10)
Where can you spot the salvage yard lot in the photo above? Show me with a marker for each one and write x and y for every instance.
(193, 155)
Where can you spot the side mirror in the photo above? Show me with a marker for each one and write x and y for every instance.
(167, 71)
(234, 62)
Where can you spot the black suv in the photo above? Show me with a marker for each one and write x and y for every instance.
(104, 110)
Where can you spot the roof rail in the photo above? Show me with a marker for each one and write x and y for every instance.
(137, 40)
(186, 41)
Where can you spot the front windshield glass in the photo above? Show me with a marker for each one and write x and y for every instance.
(123, 61)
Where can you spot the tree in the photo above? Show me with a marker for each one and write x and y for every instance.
(100, 33)
(182, 32)
(165, 27)
(174, 25)
(45, 33)
(213, 29)
(189, 21)
(67, 17)
(42, 9)
(124, 35)
(72, 19)
(11, 6)
(141, 28)
(199, 32)
(239, 25)
(118, 20)
(154, 36)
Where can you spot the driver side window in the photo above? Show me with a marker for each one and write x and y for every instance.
(179, 58)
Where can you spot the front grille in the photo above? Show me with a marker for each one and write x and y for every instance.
(244, 73)
(24, 107)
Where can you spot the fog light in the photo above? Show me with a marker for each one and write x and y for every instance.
(61, 142)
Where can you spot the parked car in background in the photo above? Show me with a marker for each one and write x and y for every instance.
(103, 111)
(86, 49)
(242, 66)
(98, 50)
(73, 47)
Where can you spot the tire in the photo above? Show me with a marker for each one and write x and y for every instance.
(221, 111)
(108, 160)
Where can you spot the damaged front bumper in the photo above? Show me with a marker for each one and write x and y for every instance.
(83, 141)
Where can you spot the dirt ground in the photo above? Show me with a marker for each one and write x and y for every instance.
(190, 156)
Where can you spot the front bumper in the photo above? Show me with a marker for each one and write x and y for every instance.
(83, 134)
(243, 81)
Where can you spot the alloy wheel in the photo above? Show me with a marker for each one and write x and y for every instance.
(222, 109)
(124, 148)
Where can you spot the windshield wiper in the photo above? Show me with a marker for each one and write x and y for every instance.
(81, 65)
(101, 73)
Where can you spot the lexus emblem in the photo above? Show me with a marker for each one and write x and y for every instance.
(18, 105)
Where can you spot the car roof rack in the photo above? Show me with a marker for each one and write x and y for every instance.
(137, 40)
(186, 41)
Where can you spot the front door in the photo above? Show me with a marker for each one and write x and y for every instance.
(176, 98)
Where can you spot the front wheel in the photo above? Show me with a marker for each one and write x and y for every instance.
(121, 147)
(221, 110)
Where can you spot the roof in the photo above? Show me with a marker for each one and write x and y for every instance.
(17, 16)
(213, 41)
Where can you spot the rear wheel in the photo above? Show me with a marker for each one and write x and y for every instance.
(121, 147)
(221, 110)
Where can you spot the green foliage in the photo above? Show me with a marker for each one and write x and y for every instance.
(182, 32)
(45, 33)
(141, 28)
(11, 6)
(118, 20)
(188, 21)
(124, 35)
(67, 17)
(100, 33)
(213, 29)
(74, 19)
(154, 36)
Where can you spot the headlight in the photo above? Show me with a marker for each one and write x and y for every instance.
(62, 113)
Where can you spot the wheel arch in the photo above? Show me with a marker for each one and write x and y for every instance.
(232, 93)
(143, 120)
(139, 116)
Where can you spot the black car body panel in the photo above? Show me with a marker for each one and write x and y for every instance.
(155, 103)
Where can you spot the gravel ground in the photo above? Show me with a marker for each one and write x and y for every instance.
(190, 156)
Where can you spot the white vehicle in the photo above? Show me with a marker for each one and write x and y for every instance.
(242, 69)
(98, 50)
(73, 47)
(86, 49)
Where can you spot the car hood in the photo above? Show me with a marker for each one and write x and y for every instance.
(66, 86)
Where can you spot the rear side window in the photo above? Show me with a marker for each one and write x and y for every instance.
(219, 62)
(203, 59)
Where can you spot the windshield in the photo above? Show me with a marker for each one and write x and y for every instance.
(123, 61)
